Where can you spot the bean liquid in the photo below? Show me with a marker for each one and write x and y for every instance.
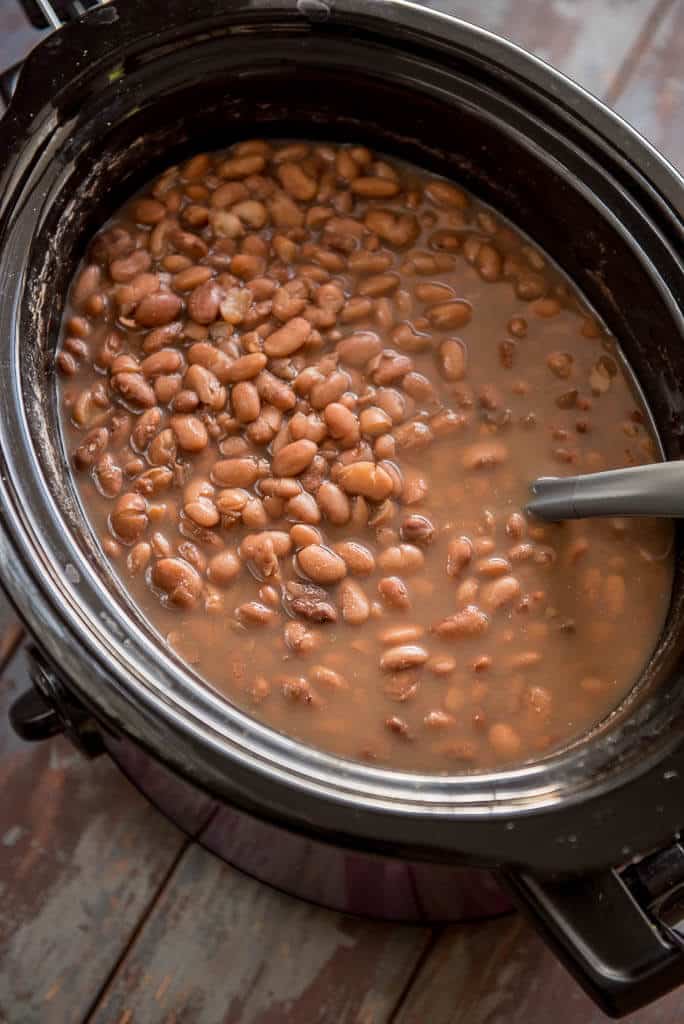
(304, 391)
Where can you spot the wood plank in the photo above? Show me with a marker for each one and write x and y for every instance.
(585, 39)
(500, 972)
(653, 98)
(10, 630)
(82, 856)
(221, 947)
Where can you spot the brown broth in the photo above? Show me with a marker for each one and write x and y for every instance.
(562, 617)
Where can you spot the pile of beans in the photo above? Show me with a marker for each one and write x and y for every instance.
(305, 389)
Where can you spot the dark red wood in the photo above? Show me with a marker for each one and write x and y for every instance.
(82, 856)
(220, 948)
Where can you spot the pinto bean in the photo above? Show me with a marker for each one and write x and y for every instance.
(129, 520)
(181, 583)
(394, 592)
(293, 459)
(358, 558)
(158, 309)
(354, 605)
(447, 316)
(190, 432)
(321, 564)
(406, 656)
(367, 479)
(452, 359)
(469, 622)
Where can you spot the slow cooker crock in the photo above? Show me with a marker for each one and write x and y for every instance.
(587, 838)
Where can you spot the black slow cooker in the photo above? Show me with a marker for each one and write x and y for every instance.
(587, 839)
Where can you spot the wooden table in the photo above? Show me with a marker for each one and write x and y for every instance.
(109, 915)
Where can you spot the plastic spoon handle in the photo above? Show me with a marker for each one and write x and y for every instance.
(654, 490)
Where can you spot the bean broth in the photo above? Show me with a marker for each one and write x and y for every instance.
(304, 391)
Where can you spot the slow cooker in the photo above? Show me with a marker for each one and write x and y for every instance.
(587, 839)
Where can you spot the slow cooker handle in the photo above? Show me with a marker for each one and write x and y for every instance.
(619, 932)
(47, 709)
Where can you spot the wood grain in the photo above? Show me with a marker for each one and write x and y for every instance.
(221, 948)
(82, 855)
(653, 97)
(500, 972)
(585, 39)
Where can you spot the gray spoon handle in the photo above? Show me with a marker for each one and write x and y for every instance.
(654, 490)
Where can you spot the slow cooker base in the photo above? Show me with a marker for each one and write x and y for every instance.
(348, 881)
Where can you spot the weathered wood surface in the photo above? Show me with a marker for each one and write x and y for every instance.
(82, 856)
(653, 97)
(589, 40)
(107, 916)
(500, 972)
(221, 947)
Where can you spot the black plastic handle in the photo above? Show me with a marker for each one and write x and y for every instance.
(48, 708)
(604, 929)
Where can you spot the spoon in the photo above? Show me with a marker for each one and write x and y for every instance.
(653, 490)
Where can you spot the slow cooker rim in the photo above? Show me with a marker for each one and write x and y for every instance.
(25, 579)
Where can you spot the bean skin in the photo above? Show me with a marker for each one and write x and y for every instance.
(333, 503)
(129, 519)
(191, 433)
(321, 564)
(358, 559)
(407, 656)
(288, 339)
(294, 458)
(180, 582)
(354, 605)
(367, 479)
(501, 592)
(394, 593)
(467, 623)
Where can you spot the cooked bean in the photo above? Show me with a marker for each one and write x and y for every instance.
(329, 390)
(90, 449)
(304, 508)
(394, 592)
(158, 309)
(321, 564)
(452, 359)
(289, 338)
(134, 389)
(358, 349)
(446, 316)
(224, 567)
(191, 433)
(401, 558)
(469, 622)
(406, 656)
(367, 479)
(354, 605)
(108, 476)
(246, 402)
(505, 740)
(417, 529)
(129, 519)
(358, 559)
(333, 503)
(341, 423)
(501, 592)
(293, 458)
(375, 188)
(240, 472)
